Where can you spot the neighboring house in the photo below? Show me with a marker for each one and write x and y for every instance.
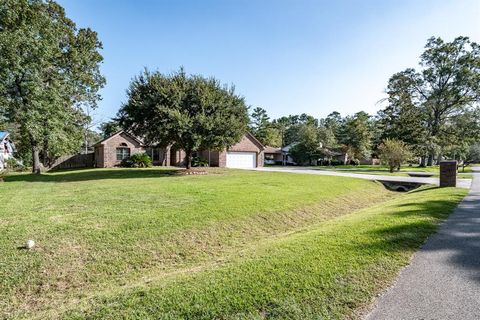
(273, 155)
(286, 158)
(7, 148)
(329, 155)
(248, 153)
(339, 155)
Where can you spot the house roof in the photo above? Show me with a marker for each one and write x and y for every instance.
(116, 134)
(288, 147)
(269, 149)
(3, 134)
(248, 135)
(252, 137)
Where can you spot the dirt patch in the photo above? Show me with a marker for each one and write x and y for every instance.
(188, 172)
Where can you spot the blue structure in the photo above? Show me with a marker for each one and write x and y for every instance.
(7, 148)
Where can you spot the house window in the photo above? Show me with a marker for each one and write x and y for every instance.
(123, 152)
(153, 153)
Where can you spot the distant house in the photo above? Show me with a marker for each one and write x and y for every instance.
(273, 155)
(338, 155)
(248, 153)
(7, 148)
(328, 155)
(286, 158)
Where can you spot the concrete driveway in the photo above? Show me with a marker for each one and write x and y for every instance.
(461, 183)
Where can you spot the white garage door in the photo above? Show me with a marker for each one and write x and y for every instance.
(241, 159)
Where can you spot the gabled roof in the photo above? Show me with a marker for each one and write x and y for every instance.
(252, 137)
(269, 149)
(116, 134)
(3, 135)
(248, 135)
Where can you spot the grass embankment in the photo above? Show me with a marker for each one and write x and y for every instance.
(232, 244)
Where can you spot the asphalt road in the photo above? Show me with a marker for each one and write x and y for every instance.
(462, 183)
(443, 279)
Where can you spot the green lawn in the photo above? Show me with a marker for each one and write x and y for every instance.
(148, 243)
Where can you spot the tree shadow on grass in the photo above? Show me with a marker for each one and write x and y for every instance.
(459, 235)
(93, 174)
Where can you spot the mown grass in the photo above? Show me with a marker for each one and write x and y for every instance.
(100, 230)
(331, 271)
(233, 244)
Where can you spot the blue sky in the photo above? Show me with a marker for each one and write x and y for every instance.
(285, 56)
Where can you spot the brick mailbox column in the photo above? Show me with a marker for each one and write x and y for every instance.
(448, 173)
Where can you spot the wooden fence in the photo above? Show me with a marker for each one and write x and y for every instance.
(74, 161)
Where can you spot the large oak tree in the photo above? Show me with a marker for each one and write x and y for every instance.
(446, 86)
(49, 71)
(190, 112)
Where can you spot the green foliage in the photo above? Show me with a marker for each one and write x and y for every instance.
(49, 70)
(13, 165)
(137, 160)
(356, 134)
(394, 153)
(265, 131)
(426, 106)
(108, 128)
(474, 153)
(199, 162)
(401, 120)
(192, 112)
(308, 148)
(289, 127)
(91, 137)
(335, 124)
(327, 135)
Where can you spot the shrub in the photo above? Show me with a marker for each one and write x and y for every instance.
(137, 160)
(354, 162)
(394, 153)
(199, 162)
(14, 165)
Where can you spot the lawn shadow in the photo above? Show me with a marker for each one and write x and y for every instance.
(459, 235)
(93, 174)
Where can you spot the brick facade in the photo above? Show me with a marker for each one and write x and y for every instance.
(448, 173)
(159, 156)
(177, 158)
(247, 144)
(106, 152)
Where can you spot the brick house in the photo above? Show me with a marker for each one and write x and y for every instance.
(247, 153)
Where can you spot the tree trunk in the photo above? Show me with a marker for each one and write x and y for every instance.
(36, 159)
(439, 157)
(188, 159)
(430, 160)
(422, 161)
